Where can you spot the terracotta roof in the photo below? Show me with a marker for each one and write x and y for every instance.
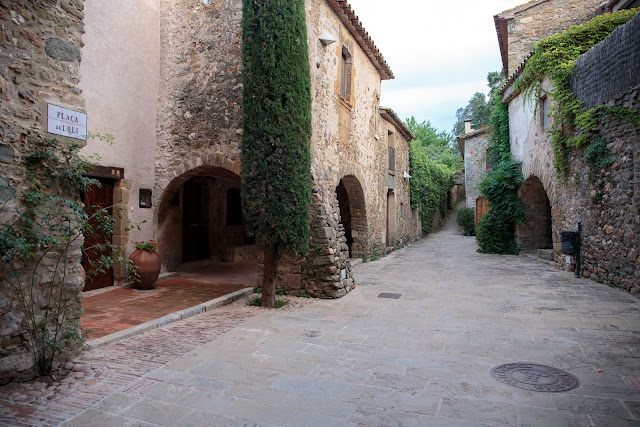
(389, 115)
(501, 23)
(472, 134)
(353, 24)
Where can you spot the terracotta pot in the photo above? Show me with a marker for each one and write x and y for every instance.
(148, 266)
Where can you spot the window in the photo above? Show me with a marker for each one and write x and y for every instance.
(346, 65)
(391, 142)
(544, 112)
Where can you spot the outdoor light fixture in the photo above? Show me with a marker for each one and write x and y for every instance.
(326, 38)
(145, 198)
(405, 175)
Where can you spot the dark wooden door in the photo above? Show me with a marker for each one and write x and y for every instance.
(95, 199)
(195, 221)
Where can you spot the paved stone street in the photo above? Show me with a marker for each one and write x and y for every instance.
(422, 359)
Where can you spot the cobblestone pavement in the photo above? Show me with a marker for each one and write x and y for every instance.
(422, 359)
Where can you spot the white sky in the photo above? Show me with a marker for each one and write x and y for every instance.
(439, 51)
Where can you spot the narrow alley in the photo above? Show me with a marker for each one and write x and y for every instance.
(421, 356)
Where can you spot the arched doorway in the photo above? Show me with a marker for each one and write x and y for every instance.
(200, 218)
(353, 215)
(536, 233)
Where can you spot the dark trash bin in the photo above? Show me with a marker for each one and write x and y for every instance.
(569, 241)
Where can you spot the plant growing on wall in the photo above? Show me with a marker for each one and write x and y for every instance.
(42, 242)
(555, 57)
(276, 160)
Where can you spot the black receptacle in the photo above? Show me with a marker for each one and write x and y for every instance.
(569, 241)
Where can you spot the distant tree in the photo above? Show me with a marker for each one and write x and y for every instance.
(479, 108)
(276, 159)
(438, 145)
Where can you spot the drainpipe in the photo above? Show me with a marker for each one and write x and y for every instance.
(578, 253)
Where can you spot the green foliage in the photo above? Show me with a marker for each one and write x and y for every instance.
(150, 246)
(279, 303)
(304, 295)
(466, 219)
(429, 185)
(496, 235)
(495, 231)
(478, 110)
(282, 291)
(555, 57)
(598, 157)
(276, 160)
(254, 302)
(36, 248)
(257, 289)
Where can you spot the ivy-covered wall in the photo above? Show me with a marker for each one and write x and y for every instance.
(601, 190)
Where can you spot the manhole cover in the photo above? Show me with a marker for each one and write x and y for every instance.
(533, 377)
(391, 296)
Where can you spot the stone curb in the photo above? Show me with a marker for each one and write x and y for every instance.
(168, 319)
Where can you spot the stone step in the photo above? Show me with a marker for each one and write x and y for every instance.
(546, 254)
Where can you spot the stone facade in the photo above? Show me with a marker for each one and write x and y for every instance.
(523, 26)
(40, 44)
(608, 207)
(474, 147)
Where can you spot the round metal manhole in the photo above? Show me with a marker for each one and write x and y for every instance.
(534, 377)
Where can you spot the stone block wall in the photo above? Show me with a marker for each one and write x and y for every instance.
(609, 206)
(40, 42)
(475, 165)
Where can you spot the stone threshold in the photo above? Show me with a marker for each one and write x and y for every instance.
(168, 319)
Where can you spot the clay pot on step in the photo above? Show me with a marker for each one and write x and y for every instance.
(148, 267)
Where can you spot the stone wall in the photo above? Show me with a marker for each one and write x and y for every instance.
(475, 165)
(609, 206)
(40, 42)
(529, 23)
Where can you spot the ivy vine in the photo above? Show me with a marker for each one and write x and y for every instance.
(555, 57)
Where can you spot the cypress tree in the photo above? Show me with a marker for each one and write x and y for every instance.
(276, 159)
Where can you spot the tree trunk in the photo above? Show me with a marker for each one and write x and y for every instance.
(269, 277)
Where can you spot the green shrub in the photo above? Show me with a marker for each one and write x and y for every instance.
(495, 235)
(282, 291)
(466, 219)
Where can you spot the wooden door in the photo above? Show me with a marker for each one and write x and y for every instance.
(195, 221)
(94, 199)
(482, 207)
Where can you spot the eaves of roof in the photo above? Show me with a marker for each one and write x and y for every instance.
(389, 115)
(353, 24)
(473, 134)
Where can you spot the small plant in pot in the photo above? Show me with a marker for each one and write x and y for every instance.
(146, 262)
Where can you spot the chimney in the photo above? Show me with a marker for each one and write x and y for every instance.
(467, 126)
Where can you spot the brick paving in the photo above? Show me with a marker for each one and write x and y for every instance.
(122, 308)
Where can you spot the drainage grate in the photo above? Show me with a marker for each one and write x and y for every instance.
(390, 296)
(534, 377)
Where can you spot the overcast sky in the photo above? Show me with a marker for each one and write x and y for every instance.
(439, 51)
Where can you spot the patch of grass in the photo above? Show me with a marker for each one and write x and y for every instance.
(304, 295)
(257, 290)
(279, 303)
(282, 291)
(254, 302)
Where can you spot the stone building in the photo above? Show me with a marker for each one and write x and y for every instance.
(473, 146)
(607, 207)
(40, 45)
(164, 77)
(521, 27)
(174, 108)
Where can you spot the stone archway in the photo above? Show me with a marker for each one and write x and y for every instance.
(536, 233)
(353, 215)
(193, 218)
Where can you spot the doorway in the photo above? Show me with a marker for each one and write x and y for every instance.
(96, 198)
(195, 220)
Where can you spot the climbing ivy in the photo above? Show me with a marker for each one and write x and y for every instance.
(555, 57)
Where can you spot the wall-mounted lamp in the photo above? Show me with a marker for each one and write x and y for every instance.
(326, 38)
(145, 198)
(406, 175)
